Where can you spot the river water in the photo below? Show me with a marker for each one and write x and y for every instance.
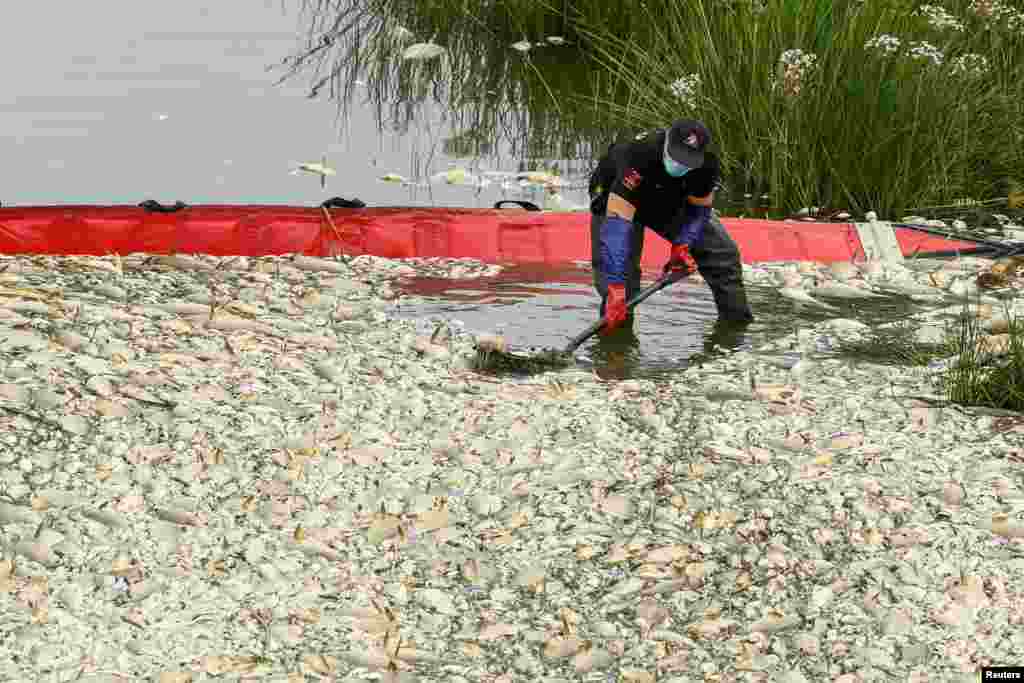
(120, 102)
(543, 308)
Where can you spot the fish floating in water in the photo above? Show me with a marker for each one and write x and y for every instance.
(401, 180)
(321, 169)
(906, 288)
(800, 296)
(538, 178)
(423, 51)
(841, 290)
(843, 270)
(459, 176)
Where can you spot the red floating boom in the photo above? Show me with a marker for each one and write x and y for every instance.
(490, 235)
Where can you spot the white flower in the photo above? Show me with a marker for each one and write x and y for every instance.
(939, 18)
(885, 42)
(798, 58)
(926, 51)
(970, 65)
(685, 89)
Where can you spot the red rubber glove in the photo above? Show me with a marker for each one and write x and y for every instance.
(614, 308)
(680, 261)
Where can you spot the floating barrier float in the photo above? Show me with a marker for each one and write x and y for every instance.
(511, 232)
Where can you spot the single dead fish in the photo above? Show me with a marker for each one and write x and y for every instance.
(321, 169)
(841, 290)
(802, 297)
(423, 51)
(905, 288)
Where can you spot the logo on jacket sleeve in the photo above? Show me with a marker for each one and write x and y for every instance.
(632, 179)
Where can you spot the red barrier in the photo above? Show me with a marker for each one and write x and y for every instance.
(490, 235)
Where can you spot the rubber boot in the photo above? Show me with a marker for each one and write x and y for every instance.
(718, 260)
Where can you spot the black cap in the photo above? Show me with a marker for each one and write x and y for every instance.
(686, 142)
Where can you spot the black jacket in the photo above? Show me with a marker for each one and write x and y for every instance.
(634, 170)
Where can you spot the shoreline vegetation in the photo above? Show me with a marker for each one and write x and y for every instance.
(859, 106)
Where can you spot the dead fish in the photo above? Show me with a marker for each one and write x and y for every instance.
(873, 270)
(321, 169)
(802, 297)
(843, 270)
(992, 280)
(807, 267)
(840, 290)
(906, 288)
(789, 279)
(939, 279)
(963, 288)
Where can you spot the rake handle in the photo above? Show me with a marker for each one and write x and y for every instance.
(640, 296)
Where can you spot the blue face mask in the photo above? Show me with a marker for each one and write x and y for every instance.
(673, 167)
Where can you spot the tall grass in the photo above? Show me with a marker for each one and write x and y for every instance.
(489, 92)
(973, 375)
(860, 128)
(976, 378)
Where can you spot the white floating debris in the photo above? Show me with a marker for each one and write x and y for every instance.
(455, 176)
(423, 51)
(316, 168)
(498, 174)
(538, 178)
(802, 297)
(845, 325)
(843, 270)
(522, 46)
(840, 290)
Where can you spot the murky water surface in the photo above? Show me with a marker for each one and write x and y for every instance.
(541, 308)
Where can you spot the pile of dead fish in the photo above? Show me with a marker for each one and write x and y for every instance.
(946, 289)
(245, 469)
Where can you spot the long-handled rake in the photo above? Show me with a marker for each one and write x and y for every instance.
(491, 359)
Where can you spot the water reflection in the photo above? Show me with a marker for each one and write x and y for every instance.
(617, 355)
(622, 355)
